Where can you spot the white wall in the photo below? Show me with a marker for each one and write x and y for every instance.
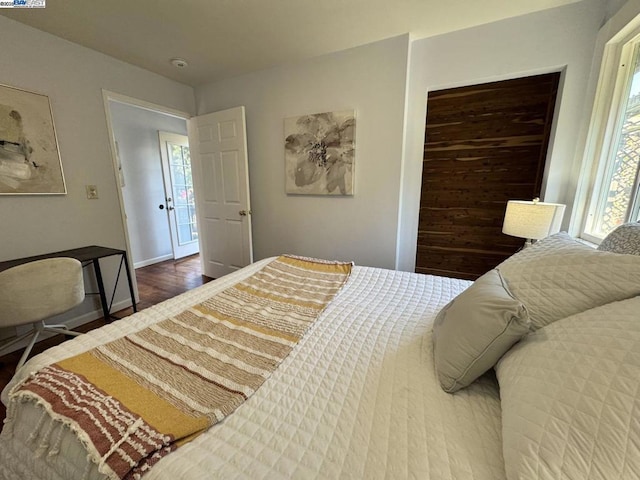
(552, 40)
(136, 131)
(371, 79)
(73, 77)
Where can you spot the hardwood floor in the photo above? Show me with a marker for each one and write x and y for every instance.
(156, 283)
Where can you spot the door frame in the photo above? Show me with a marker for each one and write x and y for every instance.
(108, 96)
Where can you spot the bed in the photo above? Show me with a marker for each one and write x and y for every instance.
(360, 397)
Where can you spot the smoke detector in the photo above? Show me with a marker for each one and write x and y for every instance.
(179, 62)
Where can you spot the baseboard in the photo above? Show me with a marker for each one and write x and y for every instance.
(151, 261)
(71, 323)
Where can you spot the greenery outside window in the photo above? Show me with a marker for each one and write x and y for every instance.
(615, 197)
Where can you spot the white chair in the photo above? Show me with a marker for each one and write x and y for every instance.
(35, 291)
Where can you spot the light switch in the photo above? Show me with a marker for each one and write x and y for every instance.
(92, 191)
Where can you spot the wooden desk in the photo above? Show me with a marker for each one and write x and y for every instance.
(90, 255)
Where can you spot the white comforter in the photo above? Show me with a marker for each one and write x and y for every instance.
(357, 398)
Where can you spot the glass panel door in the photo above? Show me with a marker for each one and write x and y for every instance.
(182, 189)
(179, 196)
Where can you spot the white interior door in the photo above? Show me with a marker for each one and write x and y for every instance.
(179, 193)
(219, 154)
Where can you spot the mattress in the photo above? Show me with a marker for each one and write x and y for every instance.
(356, 398)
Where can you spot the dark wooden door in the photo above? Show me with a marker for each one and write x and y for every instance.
(484, 144)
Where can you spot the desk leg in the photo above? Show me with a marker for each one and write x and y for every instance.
(103, 295)
(133, 296)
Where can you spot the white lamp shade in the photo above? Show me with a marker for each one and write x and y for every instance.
(532, 219)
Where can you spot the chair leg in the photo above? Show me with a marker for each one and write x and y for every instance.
(63, 331)
(34, 334)
(37, 330)
(60, 328)
(61, 325)
(27, 351)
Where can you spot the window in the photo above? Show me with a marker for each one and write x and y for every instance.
(615, 197)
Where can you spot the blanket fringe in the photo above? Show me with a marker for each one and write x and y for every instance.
(44, 442)
(9, 420)
(55, 450)
(93, 457)
(36, 431)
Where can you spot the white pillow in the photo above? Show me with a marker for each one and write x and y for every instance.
(560, 276)
(570, 396)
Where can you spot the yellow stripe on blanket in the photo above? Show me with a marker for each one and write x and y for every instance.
(138, 398)
(160, 414)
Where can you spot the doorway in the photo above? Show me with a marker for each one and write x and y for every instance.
(218, 147)
(147, 211)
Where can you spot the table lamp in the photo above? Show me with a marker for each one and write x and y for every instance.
(532, 220)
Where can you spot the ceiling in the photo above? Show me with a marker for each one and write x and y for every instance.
(226, 38)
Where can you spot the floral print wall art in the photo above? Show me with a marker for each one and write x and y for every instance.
(319, 153)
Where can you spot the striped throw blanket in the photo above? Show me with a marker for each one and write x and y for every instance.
(138, 398)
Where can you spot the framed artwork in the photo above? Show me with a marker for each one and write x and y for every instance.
(29, 158)
(320, 153)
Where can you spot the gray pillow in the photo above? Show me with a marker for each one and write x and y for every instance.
(570, 397)
(559, 276)
(624, 239)
(473, 331)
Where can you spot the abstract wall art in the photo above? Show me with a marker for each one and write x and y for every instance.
(320, 153)
(29, 158)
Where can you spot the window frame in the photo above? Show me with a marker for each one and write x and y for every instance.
(612, 91)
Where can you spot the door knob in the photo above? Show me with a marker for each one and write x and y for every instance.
(169, 207)
(161, 207)
(242, 213)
